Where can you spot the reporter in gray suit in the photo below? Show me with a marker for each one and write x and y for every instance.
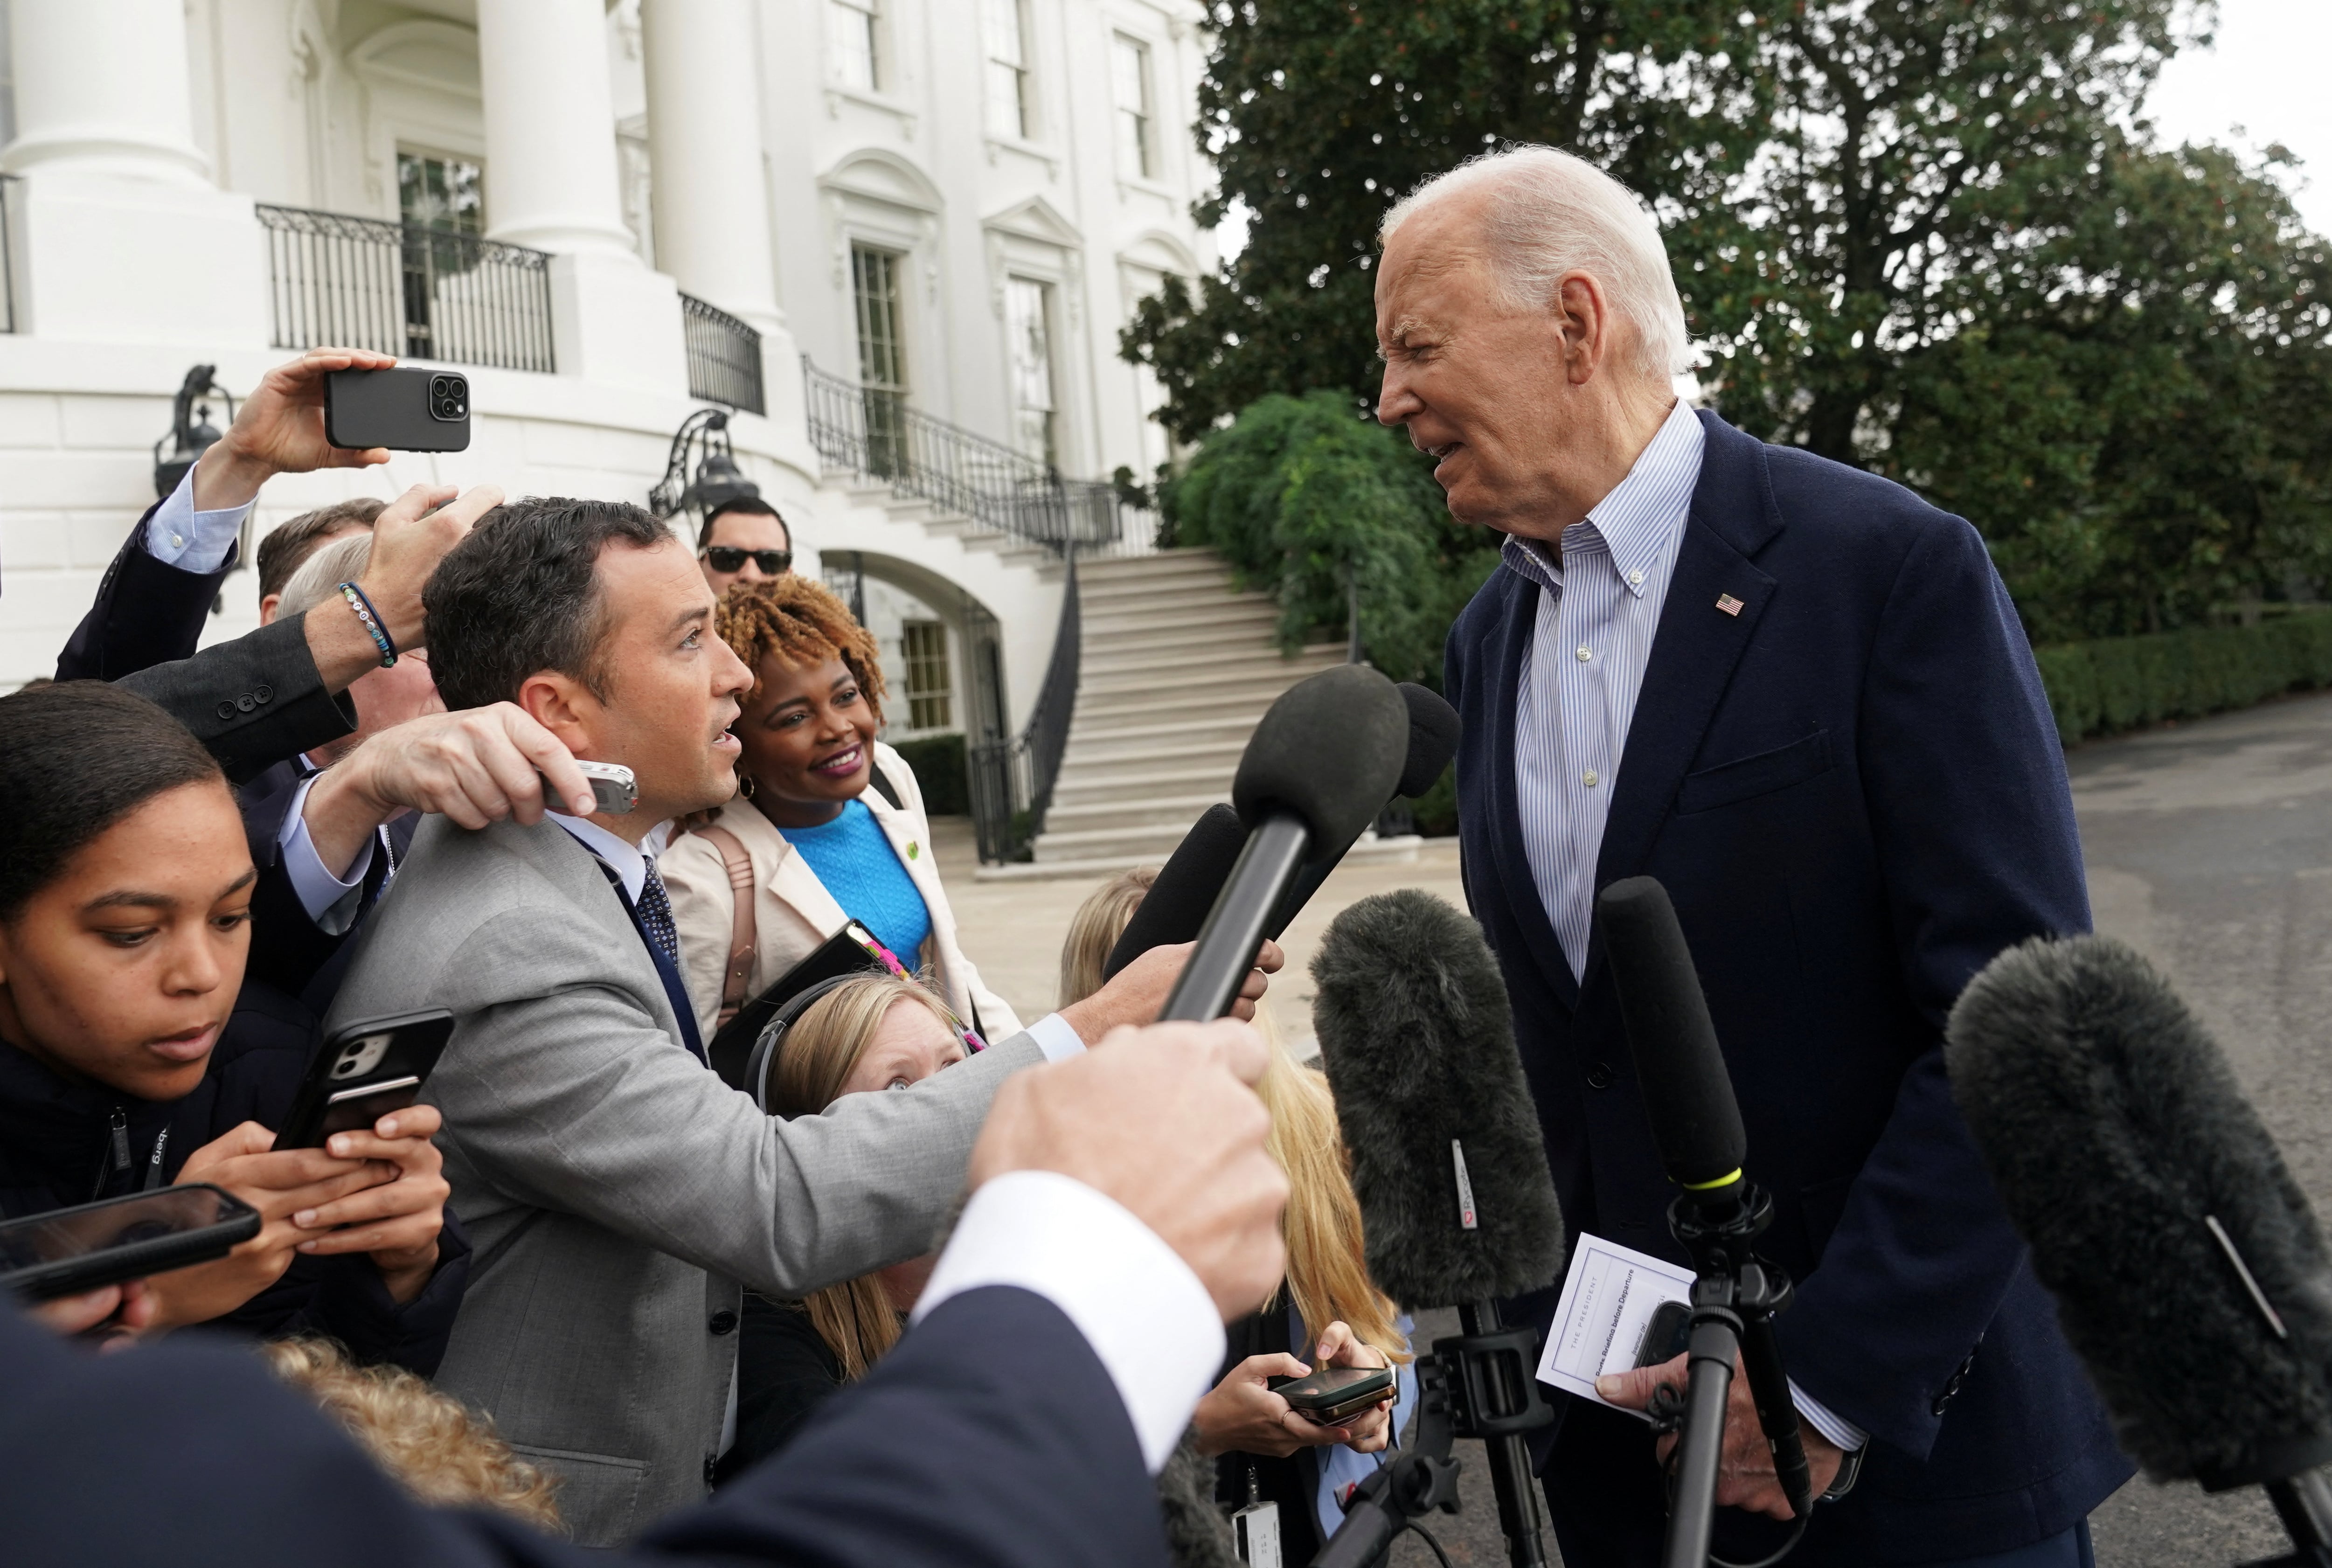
(619, 1196)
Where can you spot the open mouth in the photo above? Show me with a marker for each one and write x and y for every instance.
(842, 764)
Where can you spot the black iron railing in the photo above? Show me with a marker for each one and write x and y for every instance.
(875, 433)
(724, 356)
(408, 290)
(1012, 776)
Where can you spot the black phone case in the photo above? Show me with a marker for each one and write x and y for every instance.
(420, 1039)
(368, 409)
(238, 1223)
(1327, 1407)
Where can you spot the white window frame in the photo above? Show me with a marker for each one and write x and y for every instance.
(843, 36)
(1143, 112)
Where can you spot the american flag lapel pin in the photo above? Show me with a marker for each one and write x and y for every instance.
(1728, 604)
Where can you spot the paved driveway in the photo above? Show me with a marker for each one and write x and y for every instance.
(2210, 849)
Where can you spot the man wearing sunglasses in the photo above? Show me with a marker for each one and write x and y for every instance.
(744, 541)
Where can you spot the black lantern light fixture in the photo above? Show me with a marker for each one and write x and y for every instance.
(718, 480)
(191, 430)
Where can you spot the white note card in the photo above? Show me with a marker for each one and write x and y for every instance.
(1608, 1301)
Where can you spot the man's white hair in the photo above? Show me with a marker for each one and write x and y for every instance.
(1549, 213)
(320, 577)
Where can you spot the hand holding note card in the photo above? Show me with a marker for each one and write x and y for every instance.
(1609, 1298)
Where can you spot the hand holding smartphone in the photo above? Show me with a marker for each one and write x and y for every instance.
(363, 1072)
(68, 1251)
(405, 409)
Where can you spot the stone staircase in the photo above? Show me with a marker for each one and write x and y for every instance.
(1175, 668)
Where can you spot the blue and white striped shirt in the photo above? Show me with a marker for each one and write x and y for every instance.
(1599, 606)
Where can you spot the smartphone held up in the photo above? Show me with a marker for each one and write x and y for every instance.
(405, 409)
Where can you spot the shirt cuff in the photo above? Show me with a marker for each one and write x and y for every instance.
(1056, 1037)
(196, 542)
(1139, 1305)
(1842, 1433)
(330, 901)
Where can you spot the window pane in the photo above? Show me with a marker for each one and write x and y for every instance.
(1130, 87)
(850, 43)
(930, 697)
(1008, 112)
(1000, 20)
(441, 193)
(1027, 305)
(882, 360)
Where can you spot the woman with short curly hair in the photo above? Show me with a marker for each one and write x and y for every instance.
(828, 825)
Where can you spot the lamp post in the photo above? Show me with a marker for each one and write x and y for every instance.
(191, 430)
(718, 481)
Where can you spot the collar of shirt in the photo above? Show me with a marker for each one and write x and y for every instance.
(1636, 521)
(630, 865)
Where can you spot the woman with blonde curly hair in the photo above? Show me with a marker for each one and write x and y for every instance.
(870, 1034)
(828, 825)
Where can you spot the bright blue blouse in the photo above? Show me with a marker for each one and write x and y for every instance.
(859, 867)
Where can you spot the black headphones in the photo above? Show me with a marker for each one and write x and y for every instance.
(763, 1060)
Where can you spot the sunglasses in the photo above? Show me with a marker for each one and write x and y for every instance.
(729, 558)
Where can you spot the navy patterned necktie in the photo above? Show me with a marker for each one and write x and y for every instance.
(655, 917)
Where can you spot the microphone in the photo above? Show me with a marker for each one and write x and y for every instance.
(1433, 729)
(1176, 904)
(2189, 1272)
(1717, 1214)
(1317, 770)
(1457, 1203)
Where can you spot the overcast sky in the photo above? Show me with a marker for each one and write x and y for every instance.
(2267, 73)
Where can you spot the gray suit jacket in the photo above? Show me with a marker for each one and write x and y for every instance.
(617, 1193)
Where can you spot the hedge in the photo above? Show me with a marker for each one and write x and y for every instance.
(939, 764)
(2095, 688)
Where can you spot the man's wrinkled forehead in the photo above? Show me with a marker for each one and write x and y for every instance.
(1418, 289)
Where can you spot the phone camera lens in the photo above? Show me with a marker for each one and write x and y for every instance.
(449, 397)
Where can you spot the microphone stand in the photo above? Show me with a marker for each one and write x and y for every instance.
(1732, 1305)
(1480, 1384)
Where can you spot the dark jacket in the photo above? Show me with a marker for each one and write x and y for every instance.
(1292, 1482)
(254, 701)
(1853, 791)
(60, 1146)
(288, 950)
(785, 1371)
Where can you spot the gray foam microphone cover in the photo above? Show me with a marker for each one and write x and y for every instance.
(1330, 750)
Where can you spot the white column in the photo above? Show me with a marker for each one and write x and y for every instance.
(704, 150)
(552, 185)
(102, 89)
(120, 235)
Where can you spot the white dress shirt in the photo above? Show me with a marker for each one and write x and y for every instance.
(196, 542)
(1599, 609)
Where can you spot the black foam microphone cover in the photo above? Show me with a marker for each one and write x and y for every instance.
(1418, 1040)
(1687, 1093)
(1433, 731)
(1433, 727)
(1329, 751)
(1176, 904)
(2118, 1139)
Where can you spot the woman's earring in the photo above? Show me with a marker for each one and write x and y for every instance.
(745, 785)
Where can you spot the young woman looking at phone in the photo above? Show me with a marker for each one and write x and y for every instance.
(125, 889)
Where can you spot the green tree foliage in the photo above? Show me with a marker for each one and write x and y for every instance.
(1321, 113)
(1962, 269)
(1308, 501)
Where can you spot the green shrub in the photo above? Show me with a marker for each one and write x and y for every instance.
(2111, 684)
(939, 764)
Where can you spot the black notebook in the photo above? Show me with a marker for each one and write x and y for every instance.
(851, 951)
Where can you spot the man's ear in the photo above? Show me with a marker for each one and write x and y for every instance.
(562, 705)
(1587, 325)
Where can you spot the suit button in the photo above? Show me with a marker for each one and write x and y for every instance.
(1599, 1075)
(712, 1465)
(265, 694)
(245, 702)
(723, 1322)
(227, 709)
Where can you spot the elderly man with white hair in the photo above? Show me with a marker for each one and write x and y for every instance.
(1799, 697)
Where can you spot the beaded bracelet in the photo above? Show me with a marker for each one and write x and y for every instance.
(363, 606)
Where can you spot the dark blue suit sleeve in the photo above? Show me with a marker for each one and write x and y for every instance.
(991, 1436)
(1968, 799)
(146, 613)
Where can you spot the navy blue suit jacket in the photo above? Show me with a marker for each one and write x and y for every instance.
(1853, 791)
(991, 1436)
